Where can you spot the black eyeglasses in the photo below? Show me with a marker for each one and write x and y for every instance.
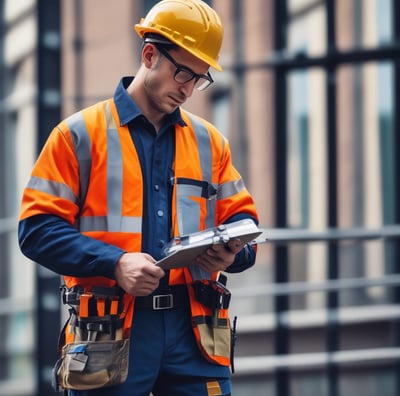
(183, 74)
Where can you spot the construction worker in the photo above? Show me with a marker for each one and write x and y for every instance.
(116, 181)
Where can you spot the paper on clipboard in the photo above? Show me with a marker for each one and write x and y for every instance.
(182, 251)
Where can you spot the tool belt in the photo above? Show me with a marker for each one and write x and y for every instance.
(99, 354)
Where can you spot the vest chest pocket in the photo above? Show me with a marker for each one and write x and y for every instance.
(195, 203)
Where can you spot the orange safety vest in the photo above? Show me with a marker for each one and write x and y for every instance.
(98, 188)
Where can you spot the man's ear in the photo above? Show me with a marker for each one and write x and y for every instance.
(149, 55)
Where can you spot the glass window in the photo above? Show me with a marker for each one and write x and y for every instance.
(151, 3)
(221, 111)
(306, 149)
(17, 146)
(305, 19)
(366, 144)
(366, 24)
(379, 380)
(366, 170)
(306, 178)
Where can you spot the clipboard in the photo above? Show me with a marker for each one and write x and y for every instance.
(183, 250)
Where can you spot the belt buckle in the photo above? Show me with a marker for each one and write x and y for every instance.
(163, 301)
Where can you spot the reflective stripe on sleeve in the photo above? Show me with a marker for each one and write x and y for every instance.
(52, 187)
(83, 146)
(110, 224)
(229, 189)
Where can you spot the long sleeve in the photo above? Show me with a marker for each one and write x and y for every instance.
(246, 258)
(52, 242)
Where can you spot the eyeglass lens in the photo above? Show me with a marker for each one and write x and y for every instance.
(183, 75)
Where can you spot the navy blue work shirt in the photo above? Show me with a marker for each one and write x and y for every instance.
(155, 151)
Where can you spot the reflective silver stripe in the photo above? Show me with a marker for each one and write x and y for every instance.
(204, 145)
(111, 224)
(54, 188)
(83, 146)
(114, 173)
(115, 221)
(198, 273)
(188, 211)
(204, 148)
(228, 189)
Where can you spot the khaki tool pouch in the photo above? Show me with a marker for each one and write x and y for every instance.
(214, 334)
(96, 354)
(215, 338)
(93, 364)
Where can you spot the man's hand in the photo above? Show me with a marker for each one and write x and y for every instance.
(219, 257)
(137, 273)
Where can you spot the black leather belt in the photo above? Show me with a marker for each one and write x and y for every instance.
(168, 298)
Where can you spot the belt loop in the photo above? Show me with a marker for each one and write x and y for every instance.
(114, 307)
(101, 307)
(84, 305)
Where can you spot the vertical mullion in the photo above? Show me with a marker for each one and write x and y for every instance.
(396, 172)
(282, 340)
(240, 99)
(78, 54)
(332, 331)
(4, 115)
(48, 115)
(396, 126)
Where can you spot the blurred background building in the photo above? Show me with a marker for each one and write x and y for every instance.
(309, 99)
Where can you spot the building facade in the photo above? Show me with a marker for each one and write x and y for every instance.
(309, 99)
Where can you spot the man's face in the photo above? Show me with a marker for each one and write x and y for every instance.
(164, 92)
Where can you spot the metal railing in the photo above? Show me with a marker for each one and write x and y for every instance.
(329, 319)
(8, 224)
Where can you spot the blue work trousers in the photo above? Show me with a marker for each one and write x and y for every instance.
(165, 360)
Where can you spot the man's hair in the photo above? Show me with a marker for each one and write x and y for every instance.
(158, 40)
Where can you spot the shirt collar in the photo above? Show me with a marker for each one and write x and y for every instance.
(128, 110)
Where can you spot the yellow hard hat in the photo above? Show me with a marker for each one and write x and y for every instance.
(191, 24)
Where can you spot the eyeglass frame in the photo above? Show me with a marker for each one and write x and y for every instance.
(206, 77)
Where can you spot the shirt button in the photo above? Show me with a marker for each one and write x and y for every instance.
(156, 187)
(160, 243)
(160, 213)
